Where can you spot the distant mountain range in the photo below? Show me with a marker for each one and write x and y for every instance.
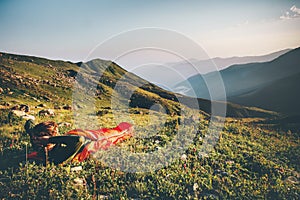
(170, 74)
(273, 85)
(35, 80)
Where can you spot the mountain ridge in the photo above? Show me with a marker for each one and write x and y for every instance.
(246, 78)
(42, 79)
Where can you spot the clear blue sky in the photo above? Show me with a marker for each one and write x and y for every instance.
(68, 30)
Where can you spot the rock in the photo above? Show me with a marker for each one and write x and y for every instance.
(27, 117)
(183, 157)
(101, 196)
(46, 98)
(57, 107)
(21, 107)
(157, 148)
(195, 186)
(66, 124)
(79, 182)
(67, 107)
(41, 105)
(102, 112)
(77, 168)
(1, 90)
(6, 104)
(76, 107)
(18, 113)
(46, 112)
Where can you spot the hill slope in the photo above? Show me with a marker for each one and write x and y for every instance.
(243, 81)
(37, 79)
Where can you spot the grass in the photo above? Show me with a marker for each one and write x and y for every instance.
(248, 162)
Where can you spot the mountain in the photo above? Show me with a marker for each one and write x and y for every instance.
(35, 80)
(170, 74)
(281, 95)
(209, 65)
(272, 85)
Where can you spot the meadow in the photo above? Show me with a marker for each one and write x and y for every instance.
(248, 162)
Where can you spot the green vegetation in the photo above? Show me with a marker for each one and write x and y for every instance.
(250, 160)
(247, 162)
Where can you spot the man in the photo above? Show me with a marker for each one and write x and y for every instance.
(75, 145)
(49, 146)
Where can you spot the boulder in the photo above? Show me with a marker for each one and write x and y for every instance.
(21, 107)
(41, 105)
(102, 112)
(6, 104)
(13, 114)
(67, 107)
(77, 168)
(18, 113)
(46, 112)
(24, 107)
(65, 124)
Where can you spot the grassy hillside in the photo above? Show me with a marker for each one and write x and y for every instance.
(249, 160)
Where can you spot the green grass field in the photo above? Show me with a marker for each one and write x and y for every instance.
(248, 162)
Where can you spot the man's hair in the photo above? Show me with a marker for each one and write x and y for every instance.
(42, 129)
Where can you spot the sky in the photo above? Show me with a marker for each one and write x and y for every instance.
(70, 29)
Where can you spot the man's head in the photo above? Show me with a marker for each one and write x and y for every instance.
(40, 133)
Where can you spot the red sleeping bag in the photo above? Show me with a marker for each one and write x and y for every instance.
(95, 140)
(102, 138)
